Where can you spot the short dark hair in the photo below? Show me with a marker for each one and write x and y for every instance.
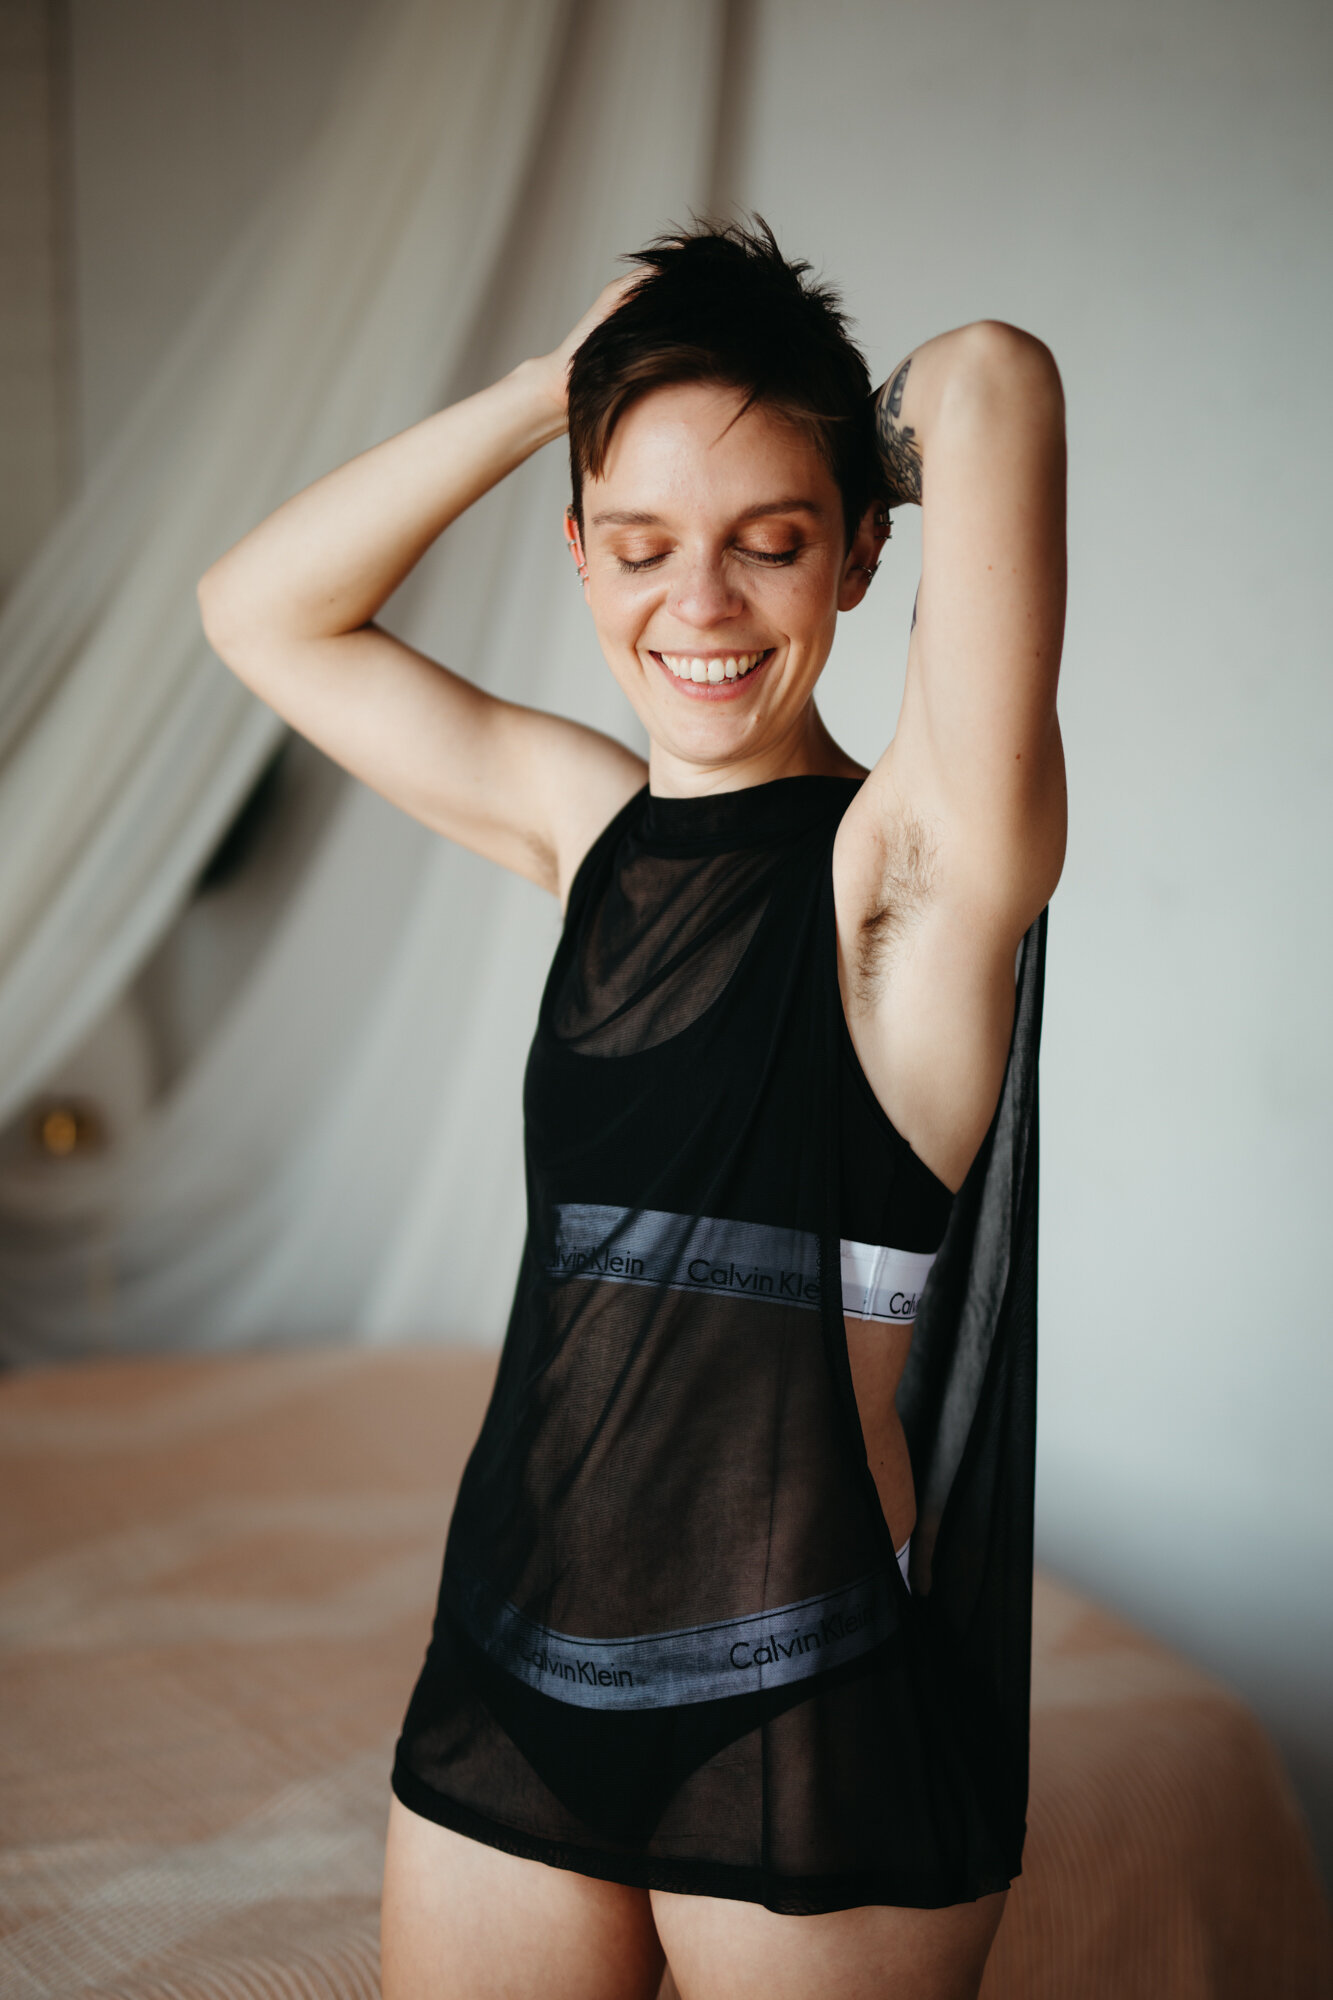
(720, 303)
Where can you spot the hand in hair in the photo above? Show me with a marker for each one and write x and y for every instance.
(607, 301)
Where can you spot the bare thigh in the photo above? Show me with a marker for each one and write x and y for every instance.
(462, 1921)
(719, 1950)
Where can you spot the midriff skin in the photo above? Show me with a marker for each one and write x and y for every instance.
(878, 1355)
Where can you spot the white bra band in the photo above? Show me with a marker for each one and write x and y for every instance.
(882, 1283)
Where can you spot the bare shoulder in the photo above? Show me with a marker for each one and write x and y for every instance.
(582, 778)
(551, 784)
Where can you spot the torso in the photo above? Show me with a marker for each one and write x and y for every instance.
(669, 1496)
(929, 1007)
(928, 997)
(891, 965)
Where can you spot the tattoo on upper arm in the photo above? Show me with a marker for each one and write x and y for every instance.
(899, 454)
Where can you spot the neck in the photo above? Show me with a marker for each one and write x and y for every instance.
(807, 751)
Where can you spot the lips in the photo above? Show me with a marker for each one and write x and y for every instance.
(713, 674)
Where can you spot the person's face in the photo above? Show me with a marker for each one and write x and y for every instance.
(716, 567)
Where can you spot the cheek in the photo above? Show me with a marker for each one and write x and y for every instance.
(804, 603)
(622, 607)
(620, 619)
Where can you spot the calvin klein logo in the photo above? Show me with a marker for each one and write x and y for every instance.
(585, 1672)
(771, 1649)
(606, 1263)
(760, 1284)
(752, 1260)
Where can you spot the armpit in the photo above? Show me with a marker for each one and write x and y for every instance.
(908, 873)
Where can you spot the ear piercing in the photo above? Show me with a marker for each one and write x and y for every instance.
(577, 554)
(884, 529)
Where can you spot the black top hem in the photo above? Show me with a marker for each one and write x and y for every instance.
(794, 1896)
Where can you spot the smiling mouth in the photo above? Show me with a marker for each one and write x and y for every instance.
(712, 670)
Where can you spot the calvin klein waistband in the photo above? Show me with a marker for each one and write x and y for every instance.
(764, 1649)
(743, 1259)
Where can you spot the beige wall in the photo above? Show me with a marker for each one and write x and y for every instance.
(1149, 188)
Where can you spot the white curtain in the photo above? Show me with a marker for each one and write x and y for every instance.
(343, 1158)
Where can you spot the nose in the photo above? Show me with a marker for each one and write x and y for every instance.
(704, 595)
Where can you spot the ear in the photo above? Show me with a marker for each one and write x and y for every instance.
(575, 544)
(863, 556)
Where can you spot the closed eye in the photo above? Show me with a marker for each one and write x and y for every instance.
(776, 558)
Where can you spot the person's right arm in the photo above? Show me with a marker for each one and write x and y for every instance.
(290, 611)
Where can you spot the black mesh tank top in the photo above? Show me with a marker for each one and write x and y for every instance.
(673, 1647)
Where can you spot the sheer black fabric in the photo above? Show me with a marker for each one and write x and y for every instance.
(673, 1647)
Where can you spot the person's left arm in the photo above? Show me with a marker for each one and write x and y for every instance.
(956, 839)
(971, 428)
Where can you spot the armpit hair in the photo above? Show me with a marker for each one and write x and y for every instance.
(905, 884)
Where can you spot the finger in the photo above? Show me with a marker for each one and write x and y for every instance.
(608, 300)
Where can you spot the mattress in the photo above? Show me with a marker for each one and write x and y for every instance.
(216, 1583)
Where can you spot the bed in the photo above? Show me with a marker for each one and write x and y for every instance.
(216, 1581)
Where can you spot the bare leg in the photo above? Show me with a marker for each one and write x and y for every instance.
(462, 1921)
(721, 1950)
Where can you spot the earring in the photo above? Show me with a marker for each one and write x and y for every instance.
(575, 551)
(869, 571)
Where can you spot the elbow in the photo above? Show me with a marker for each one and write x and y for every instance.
(1005, 363)
(225, 629)
(211, 596)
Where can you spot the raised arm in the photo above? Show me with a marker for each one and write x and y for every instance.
(290, 611)
(971, 428)
(956, 839)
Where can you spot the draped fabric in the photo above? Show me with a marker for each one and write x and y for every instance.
(315, 1170)
(673, 1646)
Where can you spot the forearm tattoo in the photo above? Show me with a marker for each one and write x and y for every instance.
(899, 453)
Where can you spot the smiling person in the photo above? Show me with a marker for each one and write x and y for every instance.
(729, 1670)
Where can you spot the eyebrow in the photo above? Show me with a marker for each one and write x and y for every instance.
(628, 517)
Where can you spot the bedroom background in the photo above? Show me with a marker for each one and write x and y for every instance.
(262, 1037)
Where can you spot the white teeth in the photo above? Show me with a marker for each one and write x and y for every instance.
(734, 667)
